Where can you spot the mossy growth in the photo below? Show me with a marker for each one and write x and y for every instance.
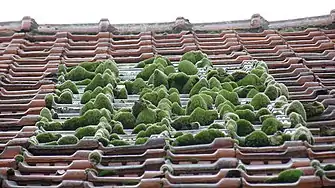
(177, 109)
(45, 112)
(117, 127)
(208, 99)
(303, 133)
(127, 119)
(184, 140)
(178, 80)
(138, 128)
(108, 64)
(276, 139)
(272, 92)
(95, 158)
(200, 84)
(216, 126)
(231, 96)
(136, 86)
(208, 136)
(296, 106)
(84, 82)
(296, 119)
(244, 127)
(230, 115)
(219, 100)
(258, 71)
(146, 116)
(103, 101)
(101, 80)
(119, 143)
(67, 140)
(193, 79)
(122, 94)
(181, 123)
(141, 141)
(283, 89)
(261, 112)
(68, 85)
(169, 69)
(114, 136)
(314, 108)
(19, 158)
(52, 126)
(152, 97)
(79, 73)
(266, 116)
(204, 117)
(164, 104)
(158, 78)
(148, 70)
(239, 75)
(65, 97)
(187, 67)
(173, 90)
(193, 56)
(90, 66)
(85, 131)
(246, 114)
(152, 130)
(252, 93)
(86, 97)
(86, 107)
(250, 79)
(259, 101)
(91, 117)
(214, 82)
(287, 176)
(49, 100)
(174, 97)
(242, 91)
(244, 107)
(329, 167)
(45, 137)
(271, 125)
(257, 139)
(204, 62)
(224, 108)
(227, 86)
(194, 102)
(161, 114)
(62, 69)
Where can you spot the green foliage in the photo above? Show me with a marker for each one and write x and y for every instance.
(314, 108)
(242, 91)
(65, 98)
(101, 80)
(204, 117)
(271, 125)
(272, 92)
(187, 67)
(244, 107)
(193, 79)
(67, 140)
(146, 116)
(194, 102)
(47, 137)
(296, 106)
(257, 139)
(151, 130)
(173, 90)
(138, 128)
(85, 131)
(181, 123)
(208, 99)
(161, 114)
(231, 96)
(126, 118)
(102, 101)
(259, 101)
(246, 114)
(224, 108)
(178, 80)
(152, 97)
(45, 112)
(196, 88)
(148, 70)
(174, 97)
(227, 86)
(258, 71)
(140, 141)
(79, 73)
(118, 128)
(136, 86)
(84, 82)
(244, 127)
(122, 93)
(68, 85)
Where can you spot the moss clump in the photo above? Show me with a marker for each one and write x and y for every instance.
(227, 86)
(314, 108)
(184, 140)
(329, 167)
(158, 78)
(208, 136)
(178, 80)
(169, 69)
(84, 82)
(45, 112)
(136, 86)
(139, 106)
(108, 64)
(86, 97)
(181, 123)
(173, 90)
(272, 92)
(95, 157)
(250, 79)
(152, 97)
(148, 70)
(214, 82)
(101, 80)
(79, 73)
(177, 109)
(102, 101)
(230, 115)
(86, 107)
(204, 62)
(161, 114)
(261, 112)
(52, 126)
(49, 99)
(47, 137)
(62, 69)
(90, 66)
(122, 94)
(65, 98)
(208, 99)
(216, 126)
(174, 97)
(242, 91)
(194, 102)
(126, 118)
(224, 108)
(296, 106)
(141, 141)
(259, 101)
(264, 117)
(193, 56)
(283, 89)
(187, 67)
(252, 93)
(239, 75)
(296, 119)
(91, 117)
(244, 127)
(304, 134)
(246, 114)
(257, 139)
(68, 85)
(219, 100)
(117, 128)
(85, 131)
(244, 107)
(151, 130)
(287, 176)
(271, 125)
(196, 88)
(191, 82)
(258, 71)
(231, 96)
(67, 140)
(146, 116)
(204, 117)
(138, 128)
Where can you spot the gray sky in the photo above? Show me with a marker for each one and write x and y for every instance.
(144, 11)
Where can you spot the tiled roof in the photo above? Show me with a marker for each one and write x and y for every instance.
(30, 54)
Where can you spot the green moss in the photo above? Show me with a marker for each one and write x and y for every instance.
(90, 66)
(137, 85)
(47, 137)
(138, 128)
(283, 89)
(242, 91)
(239, 75)
(118, 128)
(296, 119)
(95, 157)
(252, 93)
(204, 62)
(314, 108)
(246, 114)
(230, 115)
(146, 116)
(213, 92)
(259, 101)
(194, 102)
(208, 136)
(169, 69)
(84, 82)
(159, 78)
(177, 109)
(45, 112)
(141, 141)
(181, 123)
(67, 140)
(184, 140)
(174, 97)
(261, 112)
(204, 117)
(329, 167)
(208, 99)
(216, 126)
(68, 85)
(304, 134)
(200, 84)
(164, 104)
(287, 176)
(152, 130)
(258, 71)
(148, 70)
(250, 79)
(219, 100)
(152, 97)
(108, 64)
(214, 82)
(126, 118)
(271, 125)
(86, 97)
(79, 73)
(122, 93)
(296, 106)
(187, 67)
(162, 94)
(178, 80)
(91, 117)
(224, 108)
(231, 96)
(264, 117)
(227, 86)
(85, 131)
(62, 69)
(244, 107)
(193, 56)
(86, 107)
(272, 92)
(257, 139)
(102, 101)
(49, 99)
(244, 127)
(173, 90)
(117, 143)
(65, 98)
(101, 80)
(52, 126)
(161, 114)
